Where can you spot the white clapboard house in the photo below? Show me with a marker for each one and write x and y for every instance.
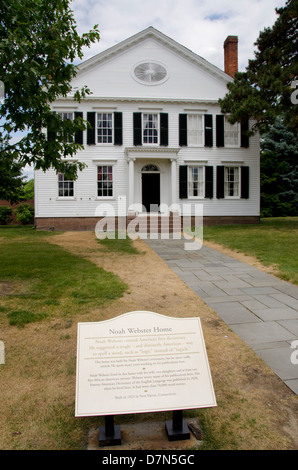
(157, 142)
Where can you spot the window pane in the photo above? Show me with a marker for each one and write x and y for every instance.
(195, 129)
(232, 133)
(232, 181)
(65, 187)
(105, 181)
(195, 181)
(105, 128)
(150, 128)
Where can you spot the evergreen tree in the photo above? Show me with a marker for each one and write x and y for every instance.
(265, 90)
(279, 171)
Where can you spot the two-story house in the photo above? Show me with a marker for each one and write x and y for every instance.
(157, 140)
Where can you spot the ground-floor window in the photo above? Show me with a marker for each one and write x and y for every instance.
(195, 181)
(65, 186)
(232, 181)
(105, 181)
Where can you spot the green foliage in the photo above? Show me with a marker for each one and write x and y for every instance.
(28, 190)
(11, 179)
(264, 90)
(279, 171)
(39, 45)
(5, 214)
(25, 213)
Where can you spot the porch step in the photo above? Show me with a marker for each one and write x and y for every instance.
(154, 223)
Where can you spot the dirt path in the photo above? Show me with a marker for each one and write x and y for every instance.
(256, 407)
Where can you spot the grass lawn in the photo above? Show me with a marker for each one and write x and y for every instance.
(43, 280)
(274, 242)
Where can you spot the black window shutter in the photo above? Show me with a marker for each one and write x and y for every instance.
(220, 140)
(244, 182)
(79, 134)
(183, 192)
(137, 128)
(208, 130)
(220, 182)
(118, 129)
(244, 136)
(164, 129)
(182, 130)
(91, 116)
(209, 182)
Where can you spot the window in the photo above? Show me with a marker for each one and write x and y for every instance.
(64, 117)
(195, 181)
(105, 181)
(65, 187)
(150, 128)
(232, 182)
(105, 128)
(231, 134)
(195, 130)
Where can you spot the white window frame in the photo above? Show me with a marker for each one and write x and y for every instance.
(229, 130)
(195, 130)
(235, 184)
(200, 181)
(144, 122)
(105, 165)
(63, 182)
(110, 139)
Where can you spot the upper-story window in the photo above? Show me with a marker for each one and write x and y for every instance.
(195, 130)
(64, 117)
(150, 128)
(104, 128)
(231, 134)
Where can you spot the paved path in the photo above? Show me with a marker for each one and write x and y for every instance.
(260, 308)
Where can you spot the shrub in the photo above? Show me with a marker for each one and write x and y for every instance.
(25, 213)
(5, 214)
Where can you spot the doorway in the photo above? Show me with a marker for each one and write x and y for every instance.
(151, 188)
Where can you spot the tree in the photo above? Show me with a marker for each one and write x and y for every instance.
(39, 45)
(264, 90)
(11, 179)
(279, 171)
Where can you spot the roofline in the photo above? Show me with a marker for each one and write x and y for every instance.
(147, 33)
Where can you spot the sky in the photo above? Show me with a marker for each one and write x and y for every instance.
(200, 25)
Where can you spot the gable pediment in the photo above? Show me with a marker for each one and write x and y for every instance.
(151, 64)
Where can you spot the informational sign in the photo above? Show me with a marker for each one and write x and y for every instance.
(142, 362)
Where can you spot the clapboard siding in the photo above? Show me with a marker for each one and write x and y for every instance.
(192, 87)
(86, 201)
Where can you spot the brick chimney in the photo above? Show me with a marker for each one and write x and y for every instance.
(231, 55)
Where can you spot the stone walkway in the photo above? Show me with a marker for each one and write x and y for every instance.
(260, 308)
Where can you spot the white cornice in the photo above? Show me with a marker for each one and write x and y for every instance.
(140, 100)
(144, 151)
